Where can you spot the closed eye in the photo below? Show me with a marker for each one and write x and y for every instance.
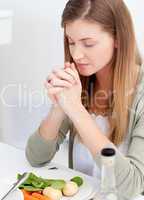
(88, 45)
(85, 45)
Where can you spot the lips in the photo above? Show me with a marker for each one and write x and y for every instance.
(82, 65)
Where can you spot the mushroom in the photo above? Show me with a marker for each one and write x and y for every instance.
(70, 188)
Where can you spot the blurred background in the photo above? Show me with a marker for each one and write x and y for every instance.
(36, 48)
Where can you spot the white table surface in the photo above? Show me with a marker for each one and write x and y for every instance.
(13, 161)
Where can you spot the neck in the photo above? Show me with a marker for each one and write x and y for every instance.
(104, 79)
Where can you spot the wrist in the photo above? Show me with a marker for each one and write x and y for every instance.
(75, 111)
(55, 114)
(57, 110)
(49, 126)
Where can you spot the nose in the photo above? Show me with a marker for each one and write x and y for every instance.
(77, 53)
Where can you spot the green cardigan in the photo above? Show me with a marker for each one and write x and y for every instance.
(129, 168)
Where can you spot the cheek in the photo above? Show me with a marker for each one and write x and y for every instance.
(102, 55)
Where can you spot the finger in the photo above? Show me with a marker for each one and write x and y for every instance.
(72, 73)
(60, 83)
(54, 90)
(50, 77)
(64, 76)
(67, 64)
(57, 83)
(73, 67)
(51, 96)
(47, 85)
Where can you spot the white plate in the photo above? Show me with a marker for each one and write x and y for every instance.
(85, 190)
(5, 186)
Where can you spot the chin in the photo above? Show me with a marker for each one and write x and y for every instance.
(86, 73)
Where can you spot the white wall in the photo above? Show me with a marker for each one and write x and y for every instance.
(37, 47)
(136, 8)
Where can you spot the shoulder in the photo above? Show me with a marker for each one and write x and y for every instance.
(138, 103)
(137, 109)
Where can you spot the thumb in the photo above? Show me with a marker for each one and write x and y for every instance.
(67, 64)
(73, 66)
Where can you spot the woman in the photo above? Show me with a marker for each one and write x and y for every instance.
(98, 95)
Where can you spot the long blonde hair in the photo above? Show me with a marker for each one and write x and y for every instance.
(114, 17)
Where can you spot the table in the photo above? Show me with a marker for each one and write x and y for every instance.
(13, 160)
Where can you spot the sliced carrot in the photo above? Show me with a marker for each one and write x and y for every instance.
(38, 192)
(28, 196)
(26, 192)
(40, 196)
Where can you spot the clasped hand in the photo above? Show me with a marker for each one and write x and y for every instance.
(64, 87)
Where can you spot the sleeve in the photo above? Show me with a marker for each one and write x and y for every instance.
(40, 151)
(129, 169)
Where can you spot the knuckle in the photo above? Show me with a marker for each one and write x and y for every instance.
(52, 81)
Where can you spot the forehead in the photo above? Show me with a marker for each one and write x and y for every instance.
(82, 28)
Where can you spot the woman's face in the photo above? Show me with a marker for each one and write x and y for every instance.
(91, 48)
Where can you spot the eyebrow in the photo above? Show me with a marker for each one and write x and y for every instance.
(87, 38)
